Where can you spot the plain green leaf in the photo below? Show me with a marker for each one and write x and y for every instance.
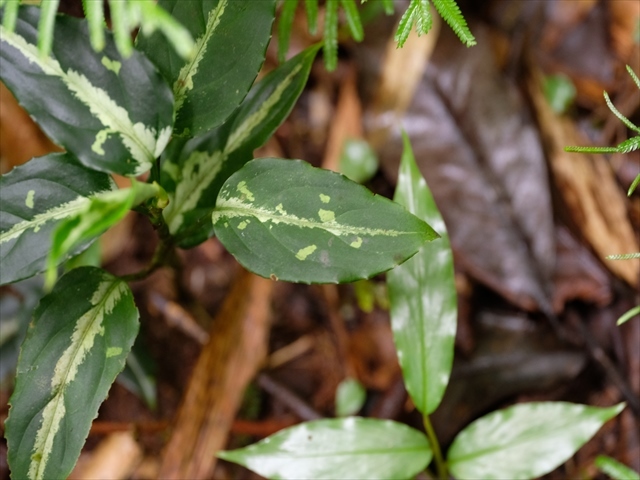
(330, 49)
(285, 25)
(193, 173)
(113, 114)
(526, 440)
(628, 315)
(615, 469)
(358, 160)
(353, 19)
(34, 199)
(287, 220)
(354, 447)
(422, 297)
(350, 397)
(75, 347)
(102, 211)
(231, 41)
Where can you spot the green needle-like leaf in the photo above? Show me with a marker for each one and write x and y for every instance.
(75, 347)
(287, 220)
(94, 13)
(525, 441)
(628, 315)
(311, 7)
(285, 24)
(422, 297)
(34, 199)
(46, 26)
(330, 49)
(634, 185)
(10, 14)
(354, 447)
(616, 470)
(353, 19)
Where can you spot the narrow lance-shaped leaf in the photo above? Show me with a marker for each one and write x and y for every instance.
(193, 175)
(354, 447)
(525, 441)
(97, 215)
(34, 199)
(76, 346)
(114, 114)
(615, 469)
(231, 40)
(422, 297)
(287, 220)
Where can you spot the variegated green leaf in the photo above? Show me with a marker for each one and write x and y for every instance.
(231, 42)
(193, 173)
(75, 347)
(526, 440)
(422, 296)
(34, 199)
(114, 114)
(287, 220)
(101, 212)
(358, 448)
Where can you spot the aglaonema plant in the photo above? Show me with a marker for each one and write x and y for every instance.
(520, 442)
(190, 126)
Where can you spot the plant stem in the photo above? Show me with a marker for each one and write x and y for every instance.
(441, 465)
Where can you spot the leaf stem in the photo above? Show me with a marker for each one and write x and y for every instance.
(441, 465)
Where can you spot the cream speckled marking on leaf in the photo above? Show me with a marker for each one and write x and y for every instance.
(139, 139)
(325, 198)
(88, 326)
(357, 243)
(242, 188)
(184, 82)
(303, 253)
(113, 351)
(112, 65)
(29, 200)
(326, 215)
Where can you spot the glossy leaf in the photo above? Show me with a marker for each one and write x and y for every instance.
(354, 447)
(102, 211)
(75, 347)
(34, 199)
(210, 86)
(194, 174)
(350, 397)
(525, 441)
(287, 220)
(615, 469)
(422, 297)
(115, 115)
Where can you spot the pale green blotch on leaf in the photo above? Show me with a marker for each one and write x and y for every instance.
(325, 198)
(112, 65)
(326, 215)
(113, 351)
(29, 200)
(242, 225)
(357, 243)
(242, 188)
(303, 253)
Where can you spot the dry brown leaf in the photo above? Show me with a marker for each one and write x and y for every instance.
(625, 15)
(227, 363)
(588, 188)
(115, 458)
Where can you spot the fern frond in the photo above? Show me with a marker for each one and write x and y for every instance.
(621, 117)
(424, 22)
(450, 12)
(575, 149)
(285, 24)
(633, 76)
(630, 145)
(406, 24)
(330, 48)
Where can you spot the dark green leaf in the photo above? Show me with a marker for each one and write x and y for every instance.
(102, 211)
(34, 199)
(616, 470)
(231, 41)
(75, 347)
(354, 447)
(311, 7)
(194, 173)
(285, 219)
(115, 115)
(350, 397)
(422, 296)
(525, 441)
